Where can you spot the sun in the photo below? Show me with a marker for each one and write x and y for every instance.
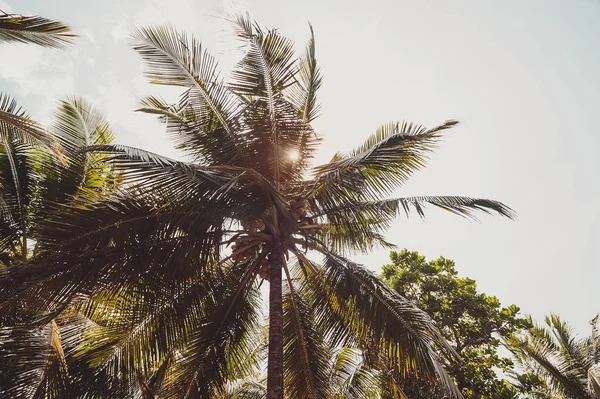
(293, 155)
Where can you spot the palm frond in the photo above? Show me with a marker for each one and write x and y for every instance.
(145, 391)
(54, 382)
(383, 212)
(77, 125)
(359, 226)
(576, 352)
(378, 318)
(39, 370)
(543, 354)
(86, 381)
(193, 130)
(229, 314)
(137, 328)
(385, 161)
(304, 93)
(18, 179)
(173, 58)
(247, 390)
(351, 377)
(36, 30)
(305, 355)
(267, 69)
(115, 242)
(149, 172)
(15, 124)
(594, 380)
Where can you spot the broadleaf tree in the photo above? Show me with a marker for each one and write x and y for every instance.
(176, 257)
(472, 322)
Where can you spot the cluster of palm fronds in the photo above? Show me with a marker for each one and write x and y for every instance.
(116, 281)
(559, 365)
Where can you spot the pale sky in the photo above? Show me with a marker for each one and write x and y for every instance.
(523, 77)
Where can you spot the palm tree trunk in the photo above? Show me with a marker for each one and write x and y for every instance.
(275, 366)
(24, 246)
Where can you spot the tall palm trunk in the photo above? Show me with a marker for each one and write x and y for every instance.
(275, 367)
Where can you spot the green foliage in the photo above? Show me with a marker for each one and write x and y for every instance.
(472, 322)
(37, 185)
(36, 182)
(559, 365)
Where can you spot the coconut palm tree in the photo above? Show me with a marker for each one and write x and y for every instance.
(569, 367)
(35, 184)
(170, 268)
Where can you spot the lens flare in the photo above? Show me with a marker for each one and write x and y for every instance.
(293, 155)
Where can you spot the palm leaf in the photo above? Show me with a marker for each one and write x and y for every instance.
(77, 125)
(15, 124)
(229, 315)
(40, 370)
(247, 390)
(351, 377)
(17, 192)
(385, 161)
(114, 242)
(382, 212)
(36, 30)
(305, 355)
(376, 315)
(575, 352)
(136, 328)
(151, 173)
(174, 59)
(54, 382)
(267, 69)
(540, 352)
(304, 93)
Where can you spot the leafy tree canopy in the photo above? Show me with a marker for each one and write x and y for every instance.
(471, 321)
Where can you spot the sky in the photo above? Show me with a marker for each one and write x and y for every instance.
(521, 76)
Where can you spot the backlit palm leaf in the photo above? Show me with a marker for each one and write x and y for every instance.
(40, 371)
(376, 316)
(385, 161)
(273, 125)
(15, 125)
(174, 58)
(564, 362)
(351, 377)
(306, 356)
(36, 30)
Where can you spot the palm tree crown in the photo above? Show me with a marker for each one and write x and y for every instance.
(155, 303)
(569, 367)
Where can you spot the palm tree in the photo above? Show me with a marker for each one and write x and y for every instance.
(568, 367)
(150, 266)
(35, 184)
